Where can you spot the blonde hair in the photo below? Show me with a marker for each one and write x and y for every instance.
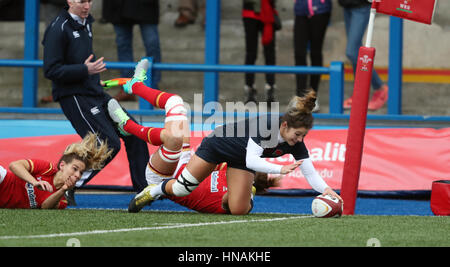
(89, 151)
(299, 110)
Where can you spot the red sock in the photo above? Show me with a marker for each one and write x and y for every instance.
(148, 134)
(155, 97)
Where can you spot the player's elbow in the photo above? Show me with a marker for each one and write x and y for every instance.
(12, 165)
(15, 165)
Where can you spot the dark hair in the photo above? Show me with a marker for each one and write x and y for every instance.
(299, 111)
(262, 183)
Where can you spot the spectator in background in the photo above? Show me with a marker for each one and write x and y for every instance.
(188, 11)
(311, 22)
(71, 65)
(124, 14)
(356, 16)
(259, 16)
(50, 9)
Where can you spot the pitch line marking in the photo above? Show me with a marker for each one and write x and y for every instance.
(94, 232)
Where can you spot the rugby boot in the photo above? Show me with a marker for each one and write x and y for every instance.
(140, 75)
(118, 115)
(141, 199)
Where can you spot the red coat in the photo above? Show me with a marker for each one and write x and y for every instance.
(266, 16)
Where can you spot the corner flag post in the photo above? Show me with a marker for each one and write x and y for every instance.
(418, 10)
(357, 123)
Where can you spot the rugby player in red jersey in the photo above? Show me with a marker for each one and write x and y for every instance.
(38, 184)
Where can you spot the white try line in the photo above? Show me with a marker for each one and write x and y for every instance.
(96, 232)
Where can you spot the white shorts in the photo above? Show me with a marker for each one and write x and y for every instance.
(154, 177)
(2, 174)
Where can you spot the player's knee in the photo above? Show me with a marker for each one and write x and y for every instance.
(240, 208)
(244, 210)
(170, 151)
(173, 140)
(185, 184)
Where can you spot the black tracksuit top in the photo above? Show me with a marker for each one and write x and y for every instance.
(67, 45)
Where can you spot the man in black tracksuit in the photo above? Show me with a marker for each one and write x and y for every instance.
(70, 63)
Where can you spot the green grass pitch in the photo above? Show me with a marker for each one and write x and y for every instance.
(188, 229)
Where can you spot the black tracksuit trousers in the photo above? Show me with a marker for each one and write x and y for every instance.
(90, 113)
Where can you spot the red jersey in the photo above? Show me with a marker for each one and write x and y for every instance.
(15, 193)
(207, 197)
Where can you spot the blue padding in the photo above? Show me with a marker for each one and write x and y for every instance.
(266, 204)
(398, 194)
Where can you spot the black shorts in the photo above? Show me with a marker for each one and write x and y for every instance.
(213, 150)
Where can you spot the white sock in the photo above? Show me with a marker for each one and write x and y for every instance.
(157, 190)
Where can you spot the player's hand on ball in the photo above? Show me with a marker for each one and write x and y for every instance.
(330, 192)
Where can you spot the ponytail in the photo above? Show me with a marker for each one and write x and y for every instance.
(299, 111)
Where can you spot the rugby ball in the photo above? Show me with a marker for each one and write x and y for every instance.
(326, 206)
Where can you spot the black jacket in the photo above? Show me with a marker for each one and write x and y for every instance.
(67, 44)
(131, 11)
